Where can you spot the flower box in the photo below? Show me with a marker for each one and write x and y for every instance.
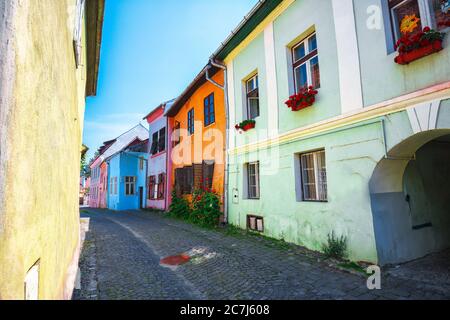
(304, 99)
(422, 44)
(416, 54)
(246, 125)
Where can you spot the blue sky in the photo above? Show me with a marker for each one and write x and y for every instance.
(151, 50)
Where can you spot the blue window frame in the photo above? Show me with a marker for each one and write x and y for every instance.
(209, 111)
(191, 126)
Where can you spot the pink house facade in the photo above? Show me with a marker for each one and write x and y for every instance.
(94, 191)
(157, 191)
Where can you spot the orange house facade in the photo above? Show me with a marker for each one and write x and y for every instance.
(197, 136)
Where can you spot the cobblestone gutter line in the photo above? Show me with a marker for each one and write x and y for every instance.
(87, 272)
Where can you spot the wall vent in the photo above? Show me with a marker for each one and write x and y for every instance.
(255, 223)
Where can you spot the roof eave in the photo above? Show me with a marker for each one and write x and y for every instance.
(257, 15)
(95, 10)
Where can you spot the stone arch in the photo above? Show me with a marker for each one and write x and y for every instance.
(408, 210)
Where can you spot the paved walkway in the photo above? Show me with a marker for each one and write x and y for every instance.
(122, 253)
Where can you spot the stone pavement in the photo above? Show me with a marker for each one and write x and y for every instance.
(122, 253)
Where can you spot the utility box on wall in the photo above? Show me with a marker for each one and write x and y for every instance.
(235, 196)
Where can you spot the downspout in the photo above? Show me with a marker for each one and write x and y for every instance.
(227, 120)
(168, 158)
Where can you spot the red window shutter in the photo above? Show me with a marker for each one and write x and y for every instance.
(161, 186)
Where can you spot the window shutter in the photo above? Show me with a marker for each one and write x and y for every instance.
(154, 148)
(161, 185)
(189, 180)
(162, 140)
(198, 176)
(208, 174)
(179, 181)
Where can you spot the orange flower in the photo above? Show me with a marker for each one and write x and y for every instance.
(409, 23)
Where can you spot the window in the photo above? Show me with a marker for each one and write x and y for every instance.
(210, 116)
(431, 13)
(197, 176)
(158, 142)
(162, 140)
(253, 180)
(115, 186)
(306, 64)
(440, 9)
(399, 10)
(191, 125)
(141, 164)
(154, 148)
(252, 90)
(314, 176)
(78, 31)
(130, 186)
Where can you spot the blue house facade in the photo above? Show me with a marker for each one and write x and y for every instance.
(127, 177)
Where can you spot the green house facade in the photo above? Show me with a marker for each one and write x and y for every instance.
(369, 159)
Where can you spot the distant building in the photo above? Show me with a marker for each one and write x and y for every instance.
(157, 191)
(99, 168)
(127, 172)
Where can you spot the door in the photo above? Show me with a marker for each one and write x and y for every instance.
(141, 198)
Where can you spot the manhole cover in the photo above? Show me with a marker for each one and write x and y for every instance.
(176, 260)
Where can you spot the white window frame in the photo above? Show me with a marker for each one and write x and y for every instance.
(321, 195)
(255, 80)
(307, 62)
(130, 182)
(257, 175)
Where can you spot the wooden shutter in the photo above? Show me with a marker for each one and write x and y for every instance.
(208, 174)
(161, 185)
(154, 149)
(179, 185)
(162, 140)
(198, 176)
(189, 180)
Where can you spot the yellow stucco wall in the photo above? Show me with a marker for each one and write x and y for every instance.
(39, 217)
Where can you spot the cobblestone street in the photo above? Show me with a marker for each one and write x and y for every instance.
(122, 253)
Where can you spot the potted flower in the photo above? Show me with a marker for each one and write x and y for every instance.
(422, 44)
(303, 99)
(246, 125)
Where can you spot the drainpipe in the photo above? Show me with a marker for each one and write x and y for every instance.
(227, 120)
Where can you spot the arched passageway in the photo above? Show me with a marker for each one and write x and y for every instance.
(410, 198)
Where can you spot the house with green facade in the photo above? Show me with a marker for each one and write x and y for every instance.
(347, 137)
